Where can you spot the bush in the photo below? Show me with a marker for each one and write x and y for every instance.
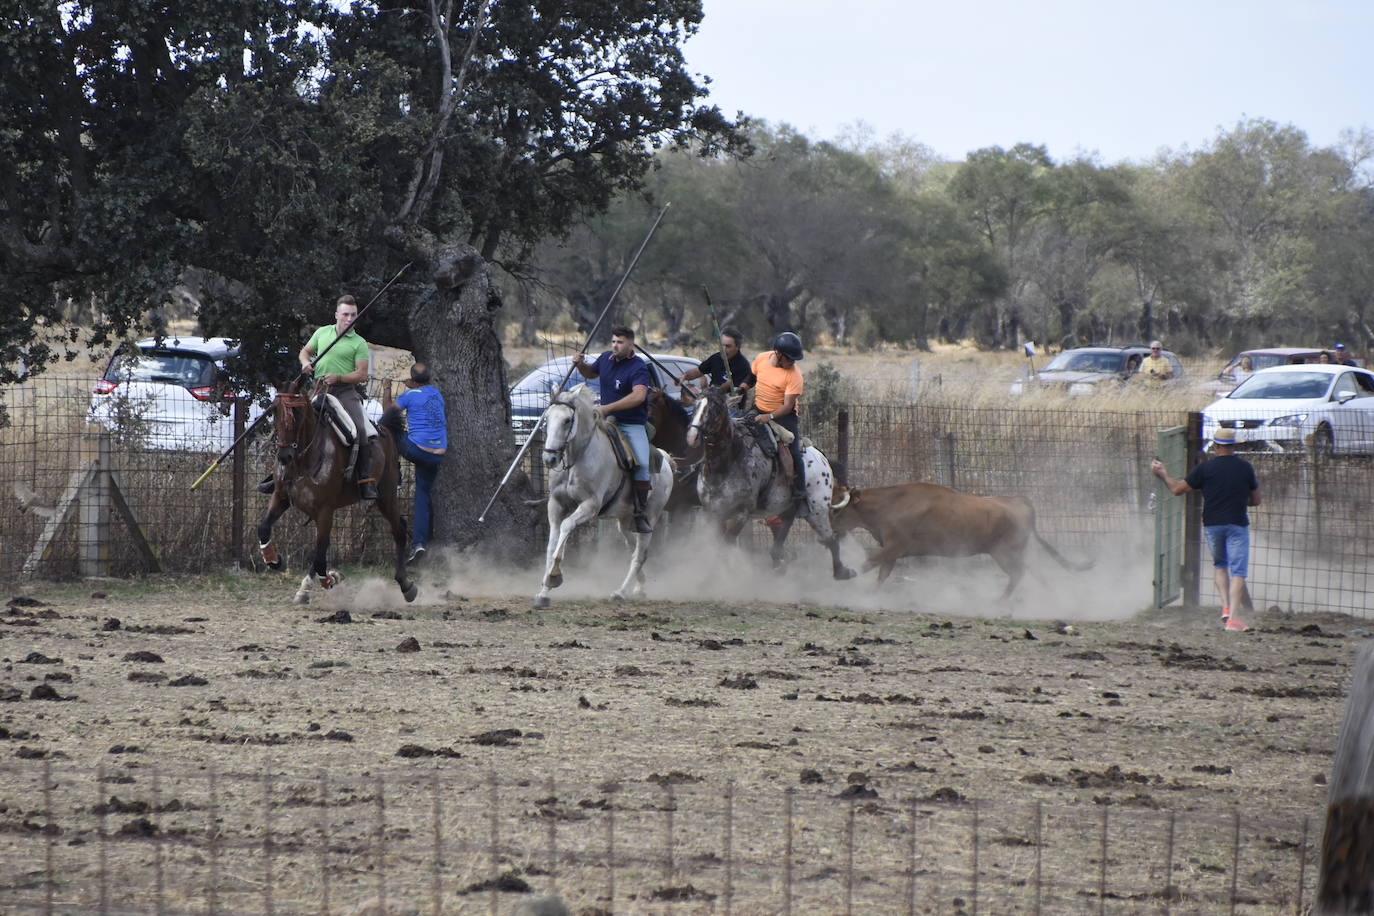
(827, 390)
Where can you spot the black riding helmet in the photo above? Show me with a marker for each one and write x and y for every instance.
(789, 345)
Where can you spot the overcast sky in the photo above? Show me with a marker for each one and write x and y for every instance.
(1092, 76)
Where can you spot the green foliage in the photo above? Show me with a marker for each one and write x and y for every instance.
(827, 390)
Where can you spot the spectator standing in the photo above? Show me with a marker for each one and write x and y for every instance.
(1342, 357)
(1156, 368)
(424, 444)
(1228, 486)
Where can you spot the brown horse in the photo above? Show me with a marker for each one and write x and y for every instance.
(310, 475)
(669, 420)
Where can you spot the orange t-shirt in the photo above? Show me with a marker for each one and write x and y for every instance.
(774, 382)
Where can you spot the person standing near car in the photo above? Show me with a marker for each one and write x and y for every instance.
(1229, 486)
(423, 444)
(625, 384)
(1156, 368)
(342, 369)
(714, 367)
(1342, 357)
(778, 389)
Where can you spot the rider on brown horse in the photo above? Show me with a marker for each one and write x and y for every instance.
(342, 369)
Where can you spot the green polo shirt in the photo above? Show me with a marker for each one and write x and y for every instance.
(343, 358)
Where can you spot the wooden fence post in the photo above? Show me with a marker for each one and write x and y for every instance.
(1346, 883)
(842, 446)
(237, 487)
(93, 538)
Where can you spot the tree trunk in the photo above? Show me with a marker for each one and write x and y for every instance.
(456, 333)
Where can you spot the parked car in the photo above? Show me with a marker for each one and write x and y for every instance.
(1292, 408)
(171, 394)
(530, 396)
(1247, 362)
(1087, 370)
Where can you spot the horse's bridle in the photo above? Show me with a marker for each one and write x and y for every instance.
(562, 450)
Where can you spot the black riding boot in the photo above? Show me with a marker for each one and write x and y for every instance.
(367, 484)
(640, 493)
(268, 484)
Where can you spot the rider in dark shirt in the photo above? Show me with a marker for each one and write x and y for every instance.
(713, 367)
(625, 384)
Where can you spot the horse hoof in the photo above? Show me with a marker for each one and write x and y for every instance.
(618, 598)
(275, 567)
(411, 592)
(845, 572)
(302, 599)
(554, 580)
(541, 601)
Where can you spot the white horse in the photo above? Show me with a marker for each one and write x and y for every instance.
(737, 480)
(586, 482)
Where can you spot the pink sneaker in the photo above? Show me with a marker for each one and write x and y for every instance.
(1225, 613)
(1235, 626)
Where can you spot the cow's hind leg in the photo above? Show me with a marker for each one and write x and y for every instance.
(1014, 565)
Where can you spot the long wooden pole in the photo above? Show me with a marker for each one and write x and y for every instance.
(573, 364)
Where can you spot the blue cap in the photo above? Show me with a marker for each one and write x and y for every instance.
(1339, 347)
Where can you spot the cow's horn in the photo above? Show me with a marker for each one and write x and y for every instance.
(842, 503)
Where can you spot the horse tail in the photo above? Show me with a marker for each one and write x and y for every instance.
(391, 422)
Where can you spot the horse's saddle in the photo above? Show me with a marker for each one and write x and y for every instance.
(341, 421)
(774, 439)
(625, 453)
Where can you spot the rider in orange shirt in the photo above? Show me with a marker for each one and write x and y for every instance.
(776, 393)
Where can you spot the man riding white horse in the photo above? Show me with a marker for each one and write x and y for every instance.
(625, 384)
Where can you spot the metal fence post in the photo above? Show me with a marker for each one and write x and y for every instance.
(842, 446)
(1192, 526)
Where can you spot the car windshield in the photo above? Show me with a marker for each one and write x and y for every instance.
(1278, 385)
(1085, 362)
(189, 369)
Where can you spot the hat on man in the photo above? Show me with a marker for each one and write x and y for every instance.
(1155, 343)
(1225, 435)
(1339, 347)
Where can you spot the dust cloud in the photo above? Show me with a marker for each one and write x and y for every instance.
(695, 566)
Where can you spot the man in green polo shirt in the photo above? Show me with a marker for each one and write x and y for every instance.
(342, 368)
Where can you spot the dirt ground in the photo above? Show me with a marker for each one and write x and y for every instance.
(928, 688)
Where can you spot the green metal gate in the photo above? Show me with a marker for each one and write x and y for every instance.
(1171, 446)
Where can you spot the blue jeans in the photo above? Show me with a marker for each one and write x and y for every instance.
(639, 444)
(1230, 547)
(426, 469)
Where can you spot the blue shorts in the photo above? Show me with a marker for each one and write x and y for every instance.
(1230, 546)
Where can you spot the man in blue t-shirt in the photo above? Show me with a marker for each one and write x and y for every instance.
(1228, 485)
(625, 384)
(423, 445)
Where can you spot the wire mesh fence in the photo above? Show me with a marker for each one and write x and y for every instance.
(1084, 469)
(159, 840)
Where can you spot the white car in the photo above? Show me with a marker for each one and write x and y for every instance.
(1286, 409)
(530, 396)
(169, 394)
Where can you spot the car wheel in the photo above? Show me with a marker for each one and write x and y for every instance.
(1323, 444)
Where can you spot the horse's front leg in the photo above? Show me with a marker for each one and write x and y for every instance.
(780, 538)
(275, 508)
(324, 524)
(561, 528)
(634, 578)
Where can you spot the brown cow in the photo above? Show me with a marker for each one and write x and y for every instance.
(928, 520)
